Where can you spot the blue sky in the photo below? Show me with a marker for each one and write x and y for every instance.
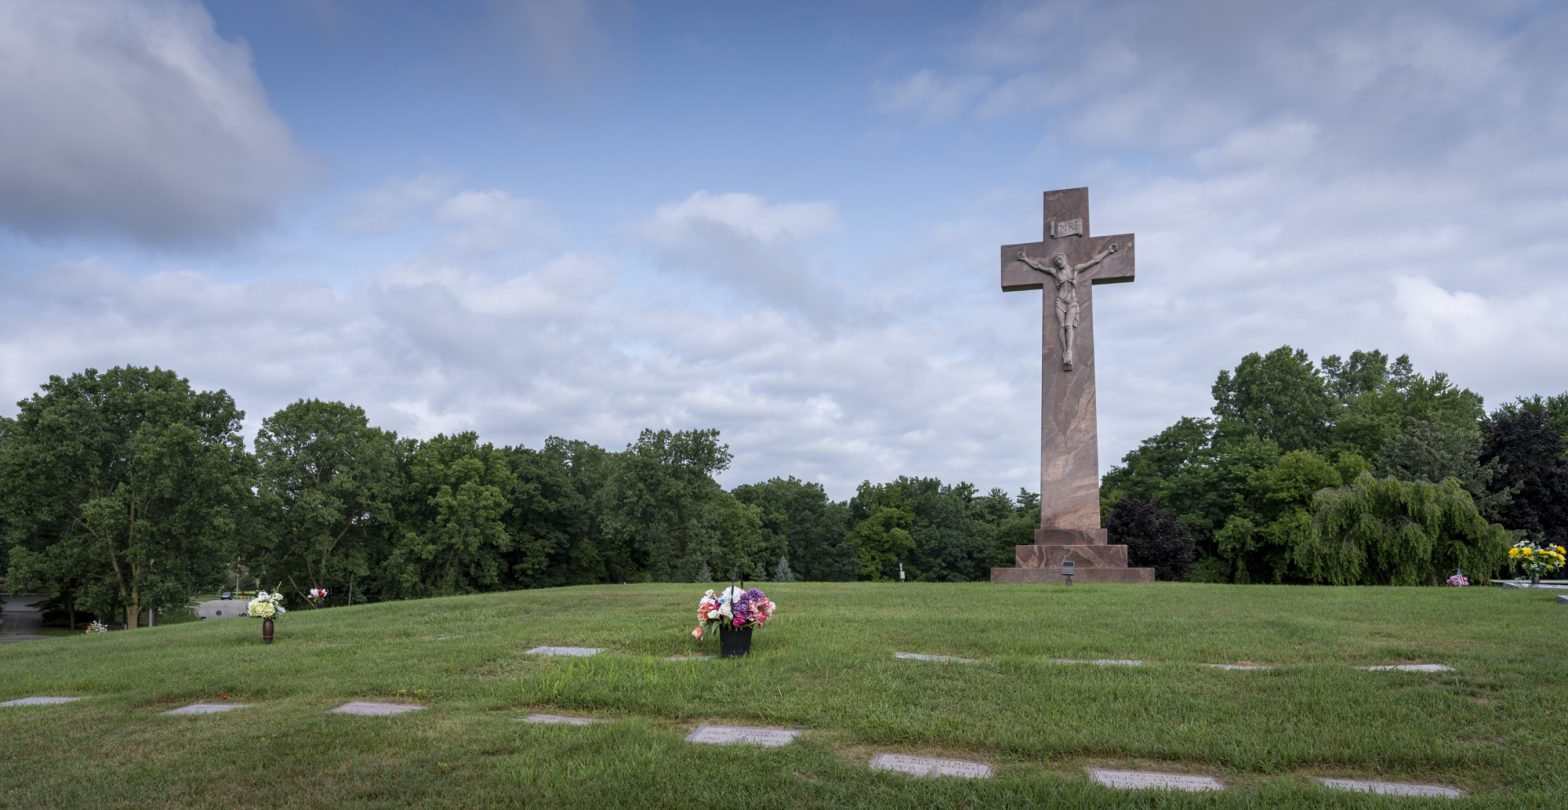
(778, 219)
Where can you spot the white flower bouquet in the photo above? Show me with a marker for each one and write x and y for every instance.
(266, 606)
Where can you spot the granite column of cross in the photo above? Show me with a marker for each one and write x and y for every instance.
(1069, 434)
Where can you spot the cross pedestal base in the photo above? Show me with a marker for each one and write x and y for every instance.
(1131, 576)
(1094, 559)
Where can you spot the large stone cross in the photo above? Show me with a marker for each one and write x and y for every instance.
(1067, 265)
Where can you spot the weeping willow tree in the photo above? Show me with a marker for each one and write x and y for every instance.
(1383, 531)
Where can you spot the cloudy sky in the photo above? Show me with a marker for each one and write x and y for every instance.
(781, 220)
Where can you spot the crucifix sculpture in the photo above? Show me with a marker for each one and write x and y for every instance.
(1069, 262)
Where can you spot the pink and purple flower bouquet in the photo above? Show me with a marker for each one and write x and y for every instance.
(733, 608)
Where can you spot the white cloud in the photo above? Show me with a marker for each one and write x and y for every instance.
(746, 214)
(488, 221)
(752, 247)
(395, 204)
(932, 96)
(134, 119)
(471, 221)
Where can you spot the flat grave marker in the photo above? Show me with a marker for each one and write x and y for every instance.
(558, 720)
(941, 659)
(1151, 780)
(1100, 662)
(208, 708)
(577, 652)
(1242, 667)
(374, 709)
(690, 658)
(743, 735)
(40, 701)
(930, 766)
(1391, 788)
(1409, 668)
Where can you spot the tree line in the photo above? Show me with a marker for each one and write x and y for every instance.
(129, 490)
(1354, 470)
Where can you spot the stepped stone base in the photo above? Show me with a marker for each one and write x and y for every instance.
(1094, 559)
(1082, 556)
(1137, 576)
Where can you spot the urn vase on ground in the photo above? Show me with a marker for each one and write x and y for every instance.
(734, 643)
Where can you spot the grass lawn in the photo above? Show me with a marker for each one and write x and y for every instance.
(1494, 727)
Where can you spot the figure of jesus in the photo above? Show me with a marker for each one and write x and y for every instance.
(1066, 277)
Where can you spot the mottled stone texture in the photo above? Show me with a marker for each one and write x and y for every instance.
(1069, 433)
(1083, 557)
(1053, 576)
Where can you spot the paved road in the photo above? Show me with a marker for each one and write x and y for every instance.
(222, 608)
(19, 620)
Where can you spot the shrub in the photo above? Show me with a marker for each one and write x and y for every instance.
(1153, 536)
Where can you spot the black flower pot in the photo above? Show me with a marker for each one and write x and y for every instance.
(734, 643)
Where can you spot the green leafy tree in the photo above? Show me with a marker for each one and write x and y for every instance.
(946, 540)
(328, 482)
(1010, 523)
(1278, 397)
(1376, 399)
(882, 539)
(452, 535)
(728, 538)
(1158, 468)
(663, 512)
(553, 513)
(1383, 531)
(569, 478)
(801, 523)
(120, 489)
(1261, 538)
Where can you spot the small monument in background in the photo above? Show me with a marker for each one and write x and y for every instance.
(1067, 265)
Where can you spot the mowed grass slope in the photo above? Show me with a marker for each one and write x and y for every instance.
(1495, 726)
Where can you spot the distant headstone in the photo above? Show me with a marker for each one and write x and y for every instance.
(1241, 667)
(1100, 662)
(1410, 668)
(743, 735)
(930, 766)
(39, 701)
(579, 652)
(376, 709)
(559, 720)
(207, 708)
(1392, 788)
(1150, 780)
(944, 659)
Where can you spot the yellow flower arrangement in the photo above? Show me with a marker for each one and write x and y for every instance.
(1529, 558)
